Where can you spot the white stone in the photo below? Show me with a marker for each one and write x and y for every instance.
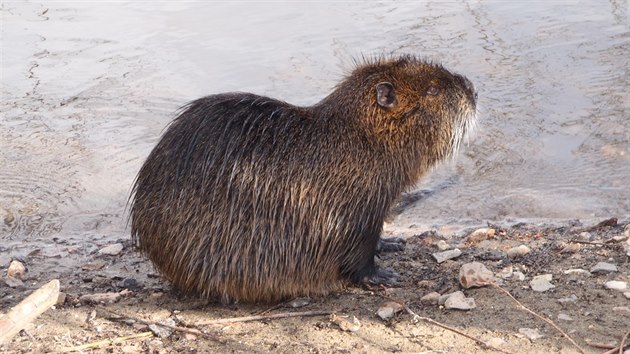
(443, 245)
(577, 271)
(531, 333)
(571, 298)
(541, 283)
(446, 255)
(564, 317)
(111, 250)
(459, 301)
(616, 285)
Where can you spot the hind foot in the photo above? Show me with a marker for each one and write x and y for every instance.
(386, 277)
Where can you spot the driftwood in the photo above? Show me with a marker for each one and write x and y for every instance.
(26, 311)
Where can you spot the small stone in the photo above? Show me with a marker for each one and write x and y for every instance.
(518, 251)
(61, 299)
(564, 317)
(431, 298)
(571, 298)
(627, 295)
(578, 271)
(531, 333)
(603, 267)
(16, 270)
(299, 302)
(624, 310)
(111, 250)
(96, 265)
(13, 282)
(443, 245)
(459, 301)
(442, 299)
(475, 274)
(616, 285)
(348, 324)
(626, 232)
(496, 342)
(585, 236)
(541, 283)
(388, 310)
(161, 331)
(479, 235)
(130, 283)
(446, 255)
(518, 276)
(506, 273)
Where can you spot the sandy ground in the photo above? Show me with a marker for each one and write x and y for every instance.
(579, 302)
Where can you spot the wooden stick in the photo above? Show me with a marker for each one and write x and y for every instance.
(26, 311)
(416, 319)
(623, 342)
(264, 317)
(148, 323)
(106, 342)
(546, 320)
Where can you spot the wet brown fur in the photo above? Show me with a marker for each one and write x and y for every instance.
(247, 198)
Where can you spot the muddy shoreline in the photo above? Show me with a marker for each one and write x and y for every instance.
(578, 302)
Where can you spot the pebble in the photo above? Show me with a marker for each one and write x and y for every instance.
(161, 331)
(16, 270)
(480, 235)
(13, 282)
(299, 302)
(622, 309)
(431, 298)
(626, 232)
(348, 324)
(531, 333)
(541, 283)
(571, 298)
(496, 342)
(459, 301)
(616, 285)
(577, 271)
(603, 267)
(443, 245)
(518, 276)
(585, 236)
(518, 251)
(475, 274)
(627, 295)
(388, 310)
(564, 317)
(446, 255)
(111, 250)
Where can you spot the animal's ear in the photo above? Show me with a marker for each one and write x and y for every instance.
(385, 94)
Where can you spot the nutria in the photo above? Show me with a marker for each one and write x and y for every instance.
(251, 199)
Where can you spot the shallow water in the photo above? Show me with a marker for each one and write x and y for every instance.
(87, 88)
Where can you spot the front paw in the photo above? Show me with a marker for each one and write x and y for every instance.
(391, 244)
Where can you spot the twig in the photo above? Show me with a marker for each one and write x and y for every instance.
(264, 317)
(546, 320)
(148, 323)
(28, 309)
(623, 342)
(106, 342)
(416, 318)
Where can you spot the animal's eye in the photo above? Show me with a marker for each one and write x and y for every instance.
(433, 91)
